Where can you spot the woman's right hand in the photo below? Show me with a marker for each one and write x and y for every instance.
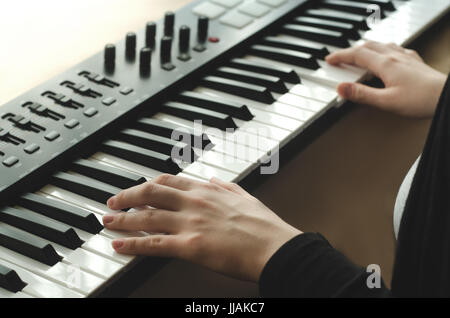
(412, 88)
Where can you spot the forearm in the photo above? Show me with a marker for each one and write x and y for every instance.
(308, 266)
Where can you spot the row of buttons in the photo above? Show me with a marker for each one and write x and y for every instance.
(11, 161)
(241, 17)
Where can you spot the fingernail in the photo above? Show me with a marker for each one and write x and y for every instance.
(117, 244)
(111, 202)
(108, 218)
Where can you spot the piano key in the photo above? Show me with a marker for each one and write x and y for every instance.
(271, 82)
(256, 92)
(62, 212)
(176, 149)
(302, 102)
(87, 187)
(241, 144)
(290, 57)
(207, 172)
(225, 162)
(318, 51)
(383, 4)
(104, 158)
(327, 74)
(315, 34)
(63, 274)
(7, 294)
(38, 286)
(41, 226)
(358, 21)
(211, 118)
(157, 127)
(107, 174)
(316, 92)
(27, 245)
(103, 246)
(224, 106)
(192, 177)
(10, 280)
(285, 73)
(139, 155)
(261, 115)
(349, 30)
(350, 6)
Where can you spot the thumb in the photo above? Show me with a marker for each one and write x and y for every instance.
(363, 94)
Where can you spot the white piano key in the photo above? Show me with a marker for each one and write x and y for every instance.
(302, 102)
(103, 246)
(39, 287)
(7, 294)
(68, 276)
(181, 174)
(120, 163)
(237, 150)
(93, 263)
(315, 92)
(225, 162)
(207, 172)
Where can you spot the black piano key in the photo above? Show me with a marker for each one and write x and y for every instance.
(347, 29)
(107, 174)
(250, 91)
(176, 149)
(89, 188)
(165, 129)
(324, 36)
(383, 4)
(225, 106)
(62, 212)
(38, 225)
(9, 280)
(208, 117)
(271, 82)
(285, 73)
(305, 60)
(28, 245)
(147, 158)
(350, 6)
(318, 51)
(359, 21)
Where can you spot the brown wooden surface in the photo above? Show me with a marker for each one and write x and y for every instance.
(343, 185)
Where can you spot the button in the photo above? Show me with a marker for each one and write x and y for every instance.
(52, 136)
(273, 3)
(213, 39)
(254, 9)
(236, 20)
(11, 161)
(209, 9)
(108, 101)
(72, 123)
(227, 3)
(31, 149)
(90, 112)
(126, 90)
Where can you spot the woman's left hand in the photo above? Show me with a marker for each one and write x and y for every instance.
(214, 224)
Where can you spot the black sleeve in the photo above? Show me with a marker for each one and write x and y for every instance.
(308, 266)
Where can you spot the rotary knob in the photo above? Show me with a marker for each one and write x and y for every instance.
(202, 33)
(166, 53)
(169, 23)
(145, 60)
(110, 56)
(130, 45)
(150, 33)
(184, 43)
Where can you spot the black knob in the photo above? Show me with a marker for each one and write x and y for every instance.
(110, 55)
(166, 53)
(150, 33)
(185, 39)
(130, 45)
(145, 60)
(202, 33)
(169, 22)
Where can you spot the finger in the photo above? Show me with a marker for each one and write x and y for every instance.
(177, 182)
(149, 193)
(359, 56)
(152, 245)
(360, 93)
(233, 187)
(150, 220)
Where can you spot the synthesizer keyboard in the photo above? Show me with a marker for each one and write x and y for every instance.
(256, 66)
